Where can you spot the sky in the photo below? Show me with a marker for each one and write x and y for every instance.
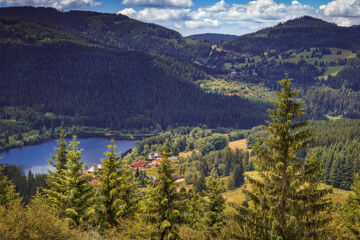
(212, 16)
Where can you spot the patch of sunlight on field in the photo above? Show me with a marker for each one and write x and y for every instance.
(333, 118)
(238, 144)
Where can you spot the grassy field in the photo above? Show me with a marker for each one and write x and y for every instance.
(333, 118)
(239, 144)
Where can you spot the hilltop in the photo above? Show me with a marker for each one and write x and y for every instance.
(213, 37)
(300, 33)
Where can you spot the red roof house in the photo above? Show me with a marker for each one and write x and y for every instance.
(94, 181)
(139, 164)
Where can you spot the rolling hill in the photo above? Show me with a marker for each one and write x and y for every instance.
(300, 33)
(213, 37)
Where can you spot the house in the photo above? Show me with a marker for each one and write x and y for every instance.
(155, 163)
(94, 181)
(153, 156)
(139, 164)
(93, 168)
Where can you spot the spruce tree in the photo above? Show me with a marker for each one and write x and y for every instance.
(7, 189)
(164, 206)
(351, 210)
(56, 190)
(116, 195)
(78, 190)
(195, 211)
(199, 184)
(285, 202)
(237, 177)
(214, 218)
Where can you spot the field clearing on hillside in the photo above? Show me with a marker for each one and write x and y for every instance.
(185, 154)
(338, 196)
(333, 118)
(238, 144)
(333, 70)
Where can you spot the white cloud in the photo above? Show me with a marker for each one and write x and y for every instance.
(341, 8)
(59, 4)
(246, 17)
(342, 12)
(160, 3)
(206, 22)
(156, 14)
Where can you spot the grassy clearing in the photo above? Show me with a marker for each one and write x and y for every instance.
(333, 118)
(333, 70)
(239, 144)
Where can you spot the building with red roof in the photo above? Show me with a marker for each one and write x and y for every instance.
(139, 164)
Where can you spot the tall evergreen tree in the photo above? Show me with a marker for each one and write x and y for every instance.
(199, 183)
(164, 206)
(214, 218)
(195, 211)
(237, 177)
(351, 210)
(7, 189)
(78, 190)
(56, 190)
(285, 202)
(116, 196)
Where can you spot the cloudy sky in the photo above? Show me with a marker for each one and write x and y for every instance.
(216, 16)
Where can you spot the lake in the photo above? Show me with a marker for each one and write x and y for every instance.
(35, 157)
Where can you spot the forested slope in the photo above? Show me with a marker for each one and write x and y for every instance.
(55, 71)
(304, 32)
(116, 30)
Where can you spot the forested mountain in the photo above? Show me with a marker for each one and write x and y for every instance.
(128, 74)
(115, 30)
(213, 37)
(300, 33)
(55, 71)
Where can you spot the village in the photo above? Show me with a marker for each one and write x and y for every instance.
(152, 161)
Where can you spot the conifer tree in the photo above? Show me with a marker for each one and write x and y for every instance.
(214, 218)
(78, 190)
(351, 210)
(56, 190)
(199, 183)
(195, 211)
(237, 177)
(7, 189)
(163, 206)
(116, 196)
(285, 202)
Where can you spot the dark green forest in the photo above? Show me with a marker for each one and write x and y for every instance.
(53, 71)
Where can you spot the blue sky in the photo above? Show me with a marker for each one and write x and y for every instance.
(217, 16)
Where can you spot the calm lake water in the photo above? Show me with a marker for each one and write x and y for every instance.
(35, 158)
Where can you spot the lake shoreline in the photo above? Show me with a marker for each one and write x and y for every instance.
(132, 137)
(35, 157)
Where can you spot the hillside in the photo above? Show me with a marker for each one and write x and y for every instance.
(300, 33)
(213, 37)
(115, 30)
(55, 71)
(321, 57)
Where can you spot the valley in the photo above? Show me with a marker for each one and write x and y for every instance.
(192, 110)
